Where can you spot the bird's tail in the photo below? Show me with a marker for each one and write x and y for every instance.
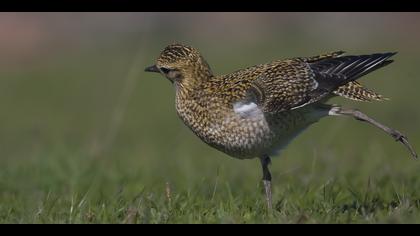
(355, 91)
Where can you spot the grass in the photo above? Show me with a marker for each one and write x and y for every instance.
(76, 189)
(58, 164)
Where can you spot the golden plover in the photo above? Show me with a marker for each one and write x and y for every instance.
(257, 111)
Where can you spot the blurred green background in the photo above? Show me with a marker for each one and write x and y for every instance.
(80, 121)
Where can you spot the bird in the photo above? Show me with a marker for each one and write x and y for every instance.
(257, 111)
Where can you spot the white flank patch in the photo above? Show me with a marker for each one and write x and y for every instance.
(333, 111)
(244, 108)
(247, 109)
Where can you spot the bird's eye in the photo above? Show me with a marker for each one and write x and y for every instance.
(165, 70)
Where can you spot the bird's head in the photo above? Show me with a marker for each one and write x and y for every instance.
(181, 64)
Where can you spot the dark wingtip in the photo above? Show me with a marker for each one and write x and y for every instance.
(387, 62)
(389, 54)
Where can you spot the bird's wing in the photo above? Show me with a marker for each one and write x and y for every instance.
(294, 83)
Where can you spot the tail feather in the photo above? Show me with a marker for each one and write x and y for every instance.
(355, 91)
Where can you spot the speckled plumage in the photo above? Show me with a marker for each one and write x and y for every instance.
(255, 112)
(285, 91)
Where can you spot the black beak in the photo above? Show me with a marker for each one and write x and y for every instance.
(152, 69)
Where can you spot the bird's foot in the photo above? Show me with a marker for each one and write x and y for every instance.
(399, 137)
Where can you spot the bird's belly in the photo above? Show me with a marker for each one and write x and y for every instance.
(254, 136)
(241, 138)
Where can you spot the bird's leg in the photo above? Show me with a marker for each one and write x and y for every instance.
(358, 115)
(265, 161)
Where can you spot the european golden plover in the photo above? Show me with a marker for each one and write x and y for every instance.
(255, 112)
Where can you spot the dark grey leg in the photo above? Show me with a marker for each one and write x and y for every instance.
(358, 115)
(265, 161)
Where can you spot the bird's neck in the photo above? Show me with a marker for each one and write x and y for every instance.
(194, 80)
